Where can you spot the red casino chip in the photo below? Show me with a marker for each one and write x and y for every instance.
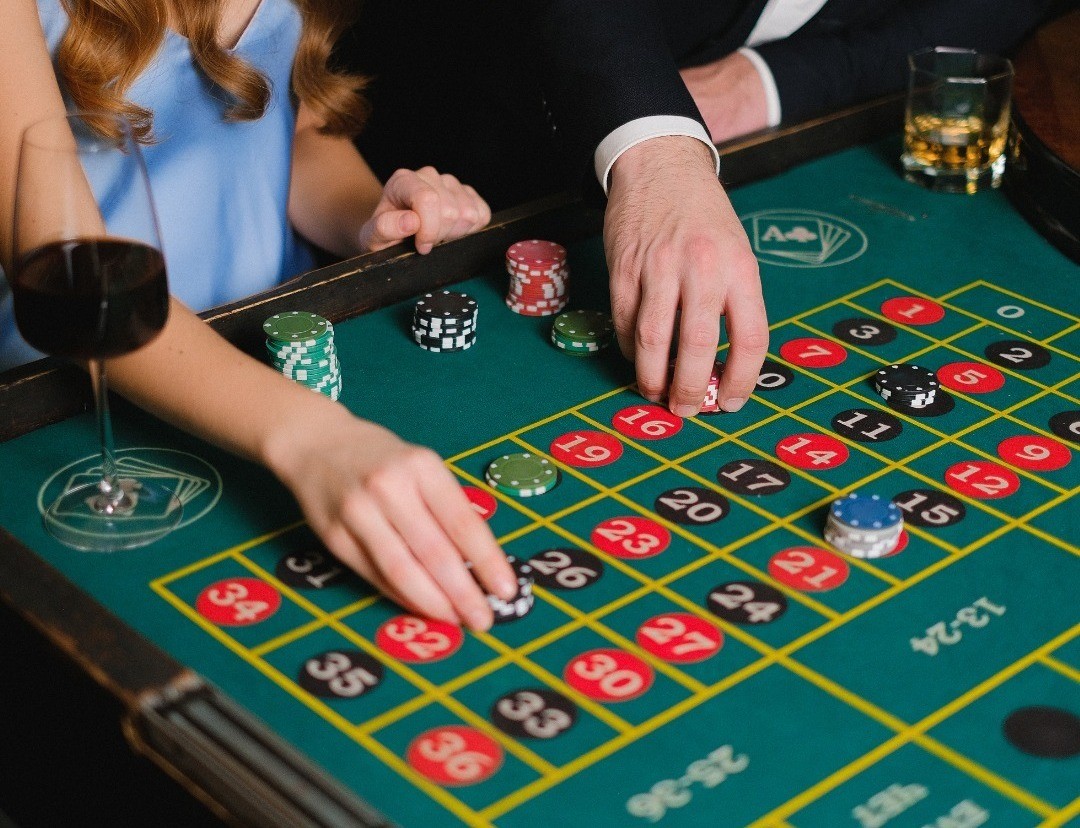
(454, 755)
(970, 377)
(238, 602)
(812, 451)
(483, 503)
(586, 449)
(808, 568)
(913, 310)
(680, 637)
(982, 479)
(811, 352)
(418, 640)
(536, 254)
(630, 537)
(609, 675)
(1034, 452)
(647, 422)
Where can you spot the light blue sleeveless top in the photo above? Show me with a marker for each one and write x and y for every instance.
(221, 189)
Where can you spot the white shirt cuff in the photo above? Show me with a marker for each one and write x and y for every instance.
(634, 132)
(772, 96)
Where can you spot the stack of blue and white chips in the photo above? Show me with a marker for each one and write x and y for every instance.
(864, 526)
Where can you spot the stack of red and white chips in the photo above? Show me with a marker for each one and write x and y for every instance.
(539, 278)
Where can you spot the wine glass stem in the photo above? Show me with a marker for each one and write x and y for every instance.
(111, 492)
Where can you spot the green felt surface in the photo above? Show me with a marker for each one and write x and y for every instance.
(829, 703)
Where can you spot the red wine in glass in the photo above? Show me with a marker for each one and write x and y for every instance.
(91, 298)
(89, 284)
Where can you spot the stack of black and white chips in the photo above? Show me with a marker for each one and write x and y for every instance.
(444, 321)
(520, 605)
(906, 385)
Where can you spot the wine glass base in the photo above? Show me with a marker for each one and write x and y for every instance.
(146, 512)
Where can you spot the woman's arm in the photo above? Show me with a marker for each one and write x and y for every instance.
(390, 510)
(28, 93)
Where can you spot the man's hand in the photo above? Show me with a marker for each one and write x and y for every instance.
(679, 260)
(730, 95)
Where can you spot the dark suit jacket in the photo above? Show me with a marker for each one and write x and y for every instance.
(605, 62)
(513, 96)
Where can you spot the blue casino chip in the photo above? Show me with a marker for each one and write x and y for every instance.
(866, 512)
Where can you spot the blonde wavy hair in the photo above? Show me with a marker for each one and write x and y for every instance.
(109, 42)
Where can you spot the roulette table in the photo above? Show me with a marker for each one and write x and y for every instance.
(697, 653)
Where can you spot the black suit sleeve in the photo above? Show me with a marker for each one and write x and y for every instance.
(601, 64)
(831, 63)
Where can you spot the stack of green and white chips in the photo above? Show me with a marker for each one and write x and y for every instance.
(301, 346)
(582, 332)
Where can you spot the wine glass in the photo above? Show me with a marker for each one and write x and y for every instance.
(88, 284)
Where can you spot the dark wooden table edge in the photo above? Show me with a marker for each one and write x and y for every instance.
(133, 668)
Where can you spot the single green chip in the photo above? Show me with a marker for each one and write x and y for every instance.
(522, 474)
(296, 325)
(584, 326)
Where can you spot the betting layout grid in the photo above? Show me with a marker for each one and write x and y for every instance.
(737, 503)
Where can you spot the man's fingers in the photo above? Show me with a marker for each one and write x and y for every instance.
(699, 329)
(654, 330)
(625, 300)
(748, 334)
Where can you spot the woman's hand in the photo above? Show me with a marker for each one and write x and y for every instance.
(425, 203)
(393, 512)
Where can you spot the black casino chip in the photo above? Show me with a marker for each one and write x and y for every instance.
(444, 321)
(1017, 354)
(534, 713)
(864, 331)
(311, 569)
(867, 425)
(1048, 732)
(566, 568)
(930, 508)
(746, 602)
(340, 674)
(753, 476)
(905, 382)
(522, 603)
(692, 505)
(943, 403)
(774, 376)
(1066, 425)
(446, 306)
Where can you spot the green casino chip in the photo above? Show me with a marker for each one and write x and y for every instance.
(522, 474)
(584, 326)
(575, 348)
(296, 327)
